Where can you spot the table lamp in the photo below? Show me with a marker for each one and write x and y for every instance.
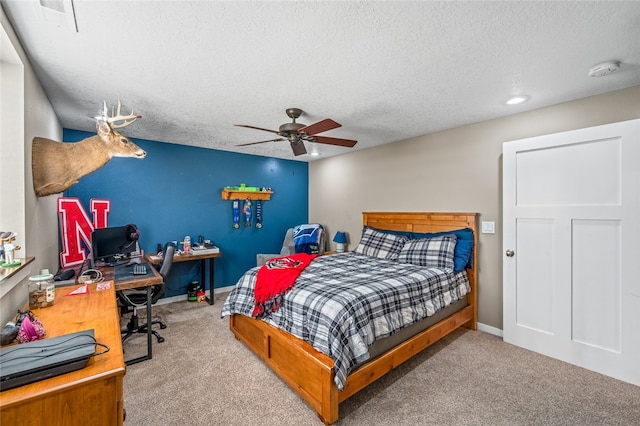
(341, 240)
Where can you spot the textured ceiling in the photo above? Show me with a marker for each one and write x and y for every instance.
(386, 71)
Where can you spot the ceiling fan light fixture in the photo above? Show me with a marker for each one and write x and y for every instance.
(517, 99)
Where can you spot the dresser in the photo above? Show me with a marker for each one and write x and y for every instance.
(92, 395)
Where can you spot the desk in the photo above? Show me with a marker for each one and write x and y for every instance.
(92, 395)
(202, 257)
(136, 281)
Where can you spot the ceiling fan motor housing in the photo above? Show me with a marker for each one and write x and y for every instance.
(288, 128)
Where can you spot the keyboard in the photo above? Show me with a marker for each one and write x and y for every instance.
(139, 269)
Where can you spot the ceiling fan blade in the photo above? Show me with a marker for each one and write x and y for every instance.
(298, 148)
(334, 141)
(257, 128)
(319, 127)
(255, 143)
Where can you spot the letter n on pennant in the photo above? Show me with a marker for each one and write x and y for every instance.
(76, 228)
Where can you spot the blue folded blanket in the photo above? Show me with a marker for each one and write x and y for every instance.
(307, 238)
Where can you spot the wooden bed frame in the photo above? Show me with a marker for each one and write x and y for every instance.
(310, 373)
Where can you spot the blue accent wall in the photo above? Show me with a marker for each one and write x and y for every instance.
(176, 191)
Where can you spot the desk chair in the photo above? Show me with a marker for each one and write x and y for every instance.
(137, 298)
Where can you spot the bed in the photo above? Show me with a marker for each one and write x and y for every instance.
(324, 378)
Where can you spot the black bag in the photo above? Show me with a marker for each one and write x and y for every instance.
(29, 362)
(11, 329)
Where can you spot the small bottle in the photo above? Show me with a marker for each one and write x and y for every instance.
(42, 291)
(9, 253)
(187, 244)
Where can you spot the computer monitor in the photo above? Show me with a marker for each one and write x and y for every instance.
(112, 244)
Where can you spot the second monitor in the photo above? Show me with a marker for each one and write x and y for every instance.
(114, 244)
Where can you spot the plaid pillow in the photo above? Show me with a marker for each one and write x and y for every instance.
(380, 244)
(437, 252)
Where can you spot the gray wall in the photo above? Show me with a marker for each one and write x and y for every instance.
(41, 219)
(458, 170)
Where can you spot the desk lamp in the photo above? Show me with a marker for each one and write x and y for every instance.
(341, 240)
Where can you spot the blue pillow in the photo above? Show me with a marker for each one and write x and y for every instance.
(463, 253)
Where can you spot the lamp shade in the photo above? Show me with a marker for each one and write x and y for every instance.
(340, 238)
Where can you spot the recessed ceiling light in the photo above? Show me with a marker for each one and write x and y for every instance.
(314, 153)
(518, 99)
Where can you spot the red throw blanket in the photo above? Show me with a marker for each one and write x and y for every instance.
(275, 278)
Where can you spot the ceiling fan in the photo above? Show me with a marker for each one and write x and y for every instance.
(297, 133)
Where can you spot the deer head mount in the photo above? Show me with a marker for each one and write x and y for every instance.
(58, 165)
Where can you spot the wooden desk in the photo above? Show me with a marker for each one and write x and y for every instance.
(90, 396)
(135, 281)
(194, 255)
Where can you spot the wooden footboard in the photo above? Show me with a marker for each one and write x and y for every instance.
(310, 373)
(307, 371)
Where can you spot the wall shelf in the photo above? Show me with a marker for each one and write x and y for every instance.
(243, 195)
(11, 277)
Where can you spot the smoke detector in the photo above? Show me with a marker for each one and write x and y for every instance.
(604, 68)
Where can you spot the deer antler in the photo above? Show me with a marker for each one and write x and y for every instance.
(115, 118)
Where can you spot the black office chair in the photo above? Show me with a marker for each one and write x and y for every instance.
(132, 299)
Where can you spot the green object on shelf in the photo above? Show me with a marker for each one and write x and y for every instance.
(243, 188)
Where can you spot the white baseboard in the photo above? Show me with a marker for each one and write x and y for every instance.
(183, 297)
(226, 289)
(167, 300)
(489, 329)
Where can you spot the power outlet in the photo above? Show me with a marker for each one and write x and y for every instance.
(488, 227)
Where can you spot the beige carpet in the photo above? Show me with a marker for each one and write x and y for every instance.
(201, 375)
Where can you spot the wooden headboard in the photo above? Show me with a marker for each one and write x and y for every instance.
(432, 222)
(419, 222)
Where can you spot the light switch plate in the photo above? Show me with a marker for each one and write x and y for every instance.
(488, 227)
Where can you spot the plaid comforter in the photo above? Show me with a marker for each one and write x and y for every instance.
(342, 303)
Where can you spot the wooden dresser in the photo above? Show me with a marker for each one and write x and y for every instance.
(89, 396)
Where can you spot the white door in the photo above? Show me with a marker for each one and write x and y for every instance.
(571, 210)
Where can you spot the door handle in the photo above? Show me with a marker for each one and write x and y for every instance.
(510, 253)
